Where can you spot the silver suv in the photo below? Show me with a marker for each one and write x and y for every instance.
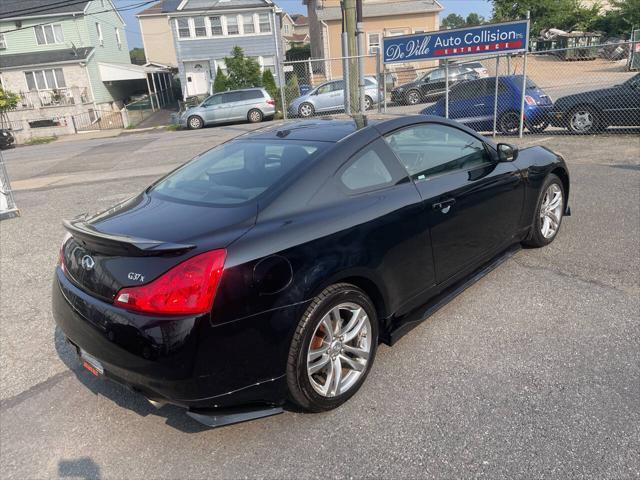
(251, 104)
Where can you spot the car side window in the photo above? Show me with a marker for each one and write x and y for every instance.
(427, 150)
(337, 86)
(366, 170)
(213, 100)
(326, 88)
(251, 94)
(231, 97)
(436, 75)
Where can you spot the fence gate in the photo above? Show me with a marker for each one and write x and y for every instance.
(97, 120)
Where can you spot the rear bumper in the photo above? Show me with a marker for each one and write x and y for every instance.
(184, 361)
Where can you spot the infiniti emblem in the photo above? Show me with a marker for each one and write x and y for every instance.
(87, 262)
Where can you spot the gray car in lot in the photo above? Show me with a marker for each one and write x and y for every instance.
(329, 97)
(251, 104)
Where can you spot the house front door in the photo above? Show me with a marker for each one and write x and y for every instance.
(197, 74)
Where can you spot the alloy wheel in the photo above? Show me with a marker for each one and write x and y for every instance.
(413, 97)
(195, 123)
(255, 116)
(551, 211)
(582, 121)
(367, 103)
(339, 350)
(510, 123)
(306, 110)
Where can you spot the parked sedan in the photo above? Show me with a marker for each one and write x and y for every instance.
(270, 267)
(329, 97)
(7, 140)
(252, 105)
(593, 111)
(472, 103)
(432, 85)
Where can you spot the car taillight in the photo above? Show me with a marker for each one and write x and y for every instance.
(271, 102)
(189, 288)
(529, 100)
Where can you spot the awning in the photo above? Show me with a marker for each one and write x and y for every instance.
(115, 72)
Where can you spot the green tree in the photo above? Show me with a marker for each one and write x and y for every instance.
(269, 84)
(473, 19)
(220, 82)
(298, 53)
(563, 14)
(453, 20)
(8, 101)
(137, 56)
(243, 72)
(628, 11)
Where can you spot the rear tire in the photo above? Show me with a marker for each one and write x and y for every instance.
(368, 103)
(538, 127)
(548, 214)
(195, 122)
(347, 346)
(255, 116)
(509, 123)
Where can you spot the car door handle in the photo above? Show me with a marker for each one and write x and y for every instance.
(445, 205)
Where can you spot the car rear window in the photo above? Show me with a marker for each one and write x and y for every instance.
(237, 171)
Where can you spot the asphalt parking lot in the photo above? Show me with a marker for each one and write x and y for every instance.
(532, 372)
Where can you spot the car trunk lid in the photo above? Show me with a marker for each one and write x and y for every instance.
(140, 239)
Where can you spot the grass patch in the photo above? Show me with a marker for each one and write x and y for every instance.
(40, 140)
(173, 127)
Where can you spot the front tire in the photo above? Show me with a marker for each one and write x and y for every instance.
(549, 212)
(537, 127)
(413, 97)
(368, 103)
(333, 348)
(195, 122)
(306, 110)
(584, 120)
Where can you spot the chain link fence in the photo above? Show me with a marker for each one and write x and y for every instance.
(564, 91)
(322, 87)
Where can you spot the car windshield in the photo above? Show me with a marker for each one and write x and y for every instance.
(237, 171)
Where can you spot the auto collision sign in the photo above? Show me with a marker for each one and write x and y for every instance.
(484, 39)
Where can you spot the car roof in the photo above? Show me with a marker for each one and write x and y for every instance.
(332, 129)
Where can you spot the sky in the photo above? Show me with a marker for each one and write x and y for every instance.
(461, 7)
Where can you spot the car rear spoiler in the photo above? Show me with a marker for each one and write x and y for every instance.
(114, 244)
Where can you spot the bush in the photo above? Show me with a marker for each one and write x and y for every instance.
(269, 84)
(220, 82)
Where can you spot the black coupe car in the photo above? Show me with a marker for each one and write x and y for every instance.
(270, 267)
(432, 85)
(593, 111)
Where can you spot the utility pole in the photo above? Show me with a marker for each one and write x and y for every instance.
(361, 54)
(349, 17)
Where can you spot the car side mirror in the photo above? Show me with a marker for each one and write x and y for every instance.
(507, 152)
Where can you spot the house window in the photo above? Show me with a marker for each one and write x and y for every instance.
(216, 26)
(49, 34)
(45, 79)
(268, 63)
(118, 38)
(286, 28)
(265, 24)
(232, 25)
(183, 27)
(373, 42)
(99, 33)
(247, 24)
(199, 26)
(3, 42)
